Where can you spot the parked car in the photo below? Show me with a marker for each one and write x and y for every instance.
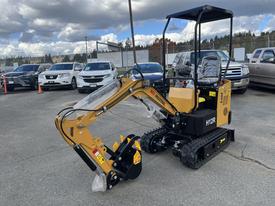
(95, 75)
(23, 76)
(262, 67)
(237, 72)
(151, 71)
(60, 75)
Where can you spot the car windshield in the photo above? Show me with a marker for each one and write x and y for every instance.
(57, 67)
(27, 68)
(97, 66)
(148, 68)
(220, 54)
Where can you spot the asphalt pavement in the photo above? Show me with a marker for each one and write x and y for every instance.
(39, 168)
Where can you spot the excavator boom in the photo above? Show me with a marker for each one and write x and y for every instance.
(123, 161)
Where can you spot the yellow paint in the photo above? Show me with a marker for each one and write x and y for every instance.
(212, 93)
(137, 158)
(78, 129)
(223, 103)
(137, 144)
(201, 99)
(182, 98)
(115, 146)
(122, 138)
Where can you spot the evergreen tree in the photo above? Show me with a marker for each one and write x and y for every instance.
(77, 58)
(50, 59)
(66, 58)
(93, 54)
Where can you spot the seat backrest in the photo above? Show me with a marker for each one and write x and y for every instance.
(209, 71)
(182, 98)
(210, 67)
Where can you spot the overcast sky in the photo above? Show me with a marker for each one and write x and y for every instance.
(36, 27)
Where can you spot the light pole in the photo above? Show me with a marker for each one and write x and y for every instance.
(127, 46)
(97, 49)
(86, 39)
(132, 31)
(268, 40)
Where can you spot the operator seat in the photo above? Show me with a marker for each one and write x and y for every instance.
(209, 71)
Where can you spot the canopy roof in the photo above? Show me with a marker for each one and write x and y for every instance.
(210, 13)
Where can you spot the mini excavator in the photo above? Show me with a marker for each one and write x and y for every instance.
(191, 118)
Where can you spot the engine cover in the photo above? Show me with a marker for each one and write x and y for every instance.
(199, 122)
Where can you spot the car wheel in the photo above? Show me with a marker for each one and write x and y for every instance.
(73, 84)
(10, 88)
(81, 91)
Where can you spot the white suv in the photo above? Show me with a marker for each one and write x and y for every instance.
(60, 75)
(95, 75)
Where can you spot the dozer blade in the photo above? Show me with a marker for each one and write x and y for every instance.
(199, 151)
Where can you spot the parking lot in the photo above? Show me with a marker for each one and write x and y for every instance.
(38, 167)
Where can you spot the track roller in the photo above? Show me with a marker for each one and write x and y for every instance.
(153, 142)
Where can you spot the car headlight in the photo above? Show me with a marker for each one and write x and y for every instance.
(65, 75)
(245, 70)
(108, 75)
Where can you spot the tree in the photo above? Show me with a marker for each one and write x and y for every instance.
(27, 61)
(20, 60)
(9, 62)
(93, 54)
(83, 58)
(77, 58)
(49, 60)
(45, 58)
(66, 58)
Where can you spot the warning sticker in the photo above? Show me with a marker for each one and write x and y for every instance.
(99, 157)
(212, 93)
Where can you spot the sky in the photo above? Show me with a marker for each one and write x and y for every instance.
(37, 27)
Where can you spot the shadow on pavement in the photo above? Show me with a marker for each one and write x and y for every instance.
(26, 90)
(262, 89)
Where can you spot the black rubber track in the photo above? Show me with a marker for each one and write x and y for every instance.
(147, 140)
(189, 156)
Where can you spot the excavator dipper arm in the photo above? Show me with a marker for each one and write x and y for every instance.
(123, 161)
